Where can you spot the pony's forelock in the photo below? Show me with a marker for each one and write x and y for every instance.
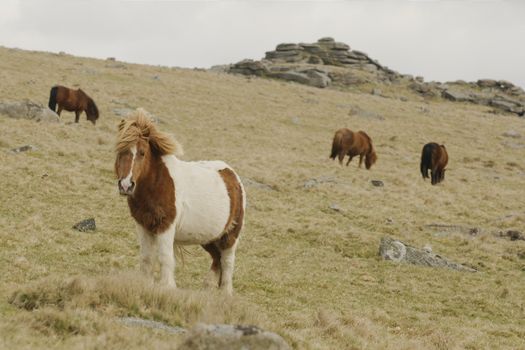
(140, 125)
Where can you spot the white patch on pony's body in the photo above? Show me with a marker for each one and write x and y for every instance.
(126, 182)
(201, 200)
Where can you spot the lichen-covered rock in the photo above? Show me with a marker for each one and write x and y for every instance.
(24, 148)
(312, 77)
(85, 225)
(508, 105)
(397, 251)
(28, 110)
(377, 183)
(456, 96)
(288, 47)
(230, 337)
(249, 67)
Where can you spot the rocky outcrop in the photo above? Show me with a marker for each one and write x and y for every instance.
(28, 110)
(303, 75)
(308, 76)
(397, 251)
(250, 67)
(331, 63)
(229, 337)
(501, 95)
(303, 63)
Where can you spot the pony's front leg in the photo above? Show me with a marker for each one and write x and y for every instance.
(349, 160)
(166, 256)
(360, 160)
(77, 116)
(147, 251)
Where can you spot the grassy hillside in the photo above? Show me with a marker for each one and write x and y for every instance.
(303, 270)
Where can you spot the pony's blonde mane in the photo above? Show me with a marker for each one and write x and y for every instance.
(140, 125)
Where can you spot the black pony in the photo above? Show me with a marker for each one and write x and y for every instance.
(435, 158)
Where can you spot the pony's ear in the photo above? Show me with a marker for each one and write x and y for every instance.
(121, 125)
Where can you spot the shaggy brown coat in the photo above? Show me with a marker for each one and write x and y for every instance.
(347, 142)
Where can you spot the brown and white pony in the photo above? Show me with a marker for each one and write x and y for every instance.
(435, 158)
(347, 142)
(73, 101)
(178, 202)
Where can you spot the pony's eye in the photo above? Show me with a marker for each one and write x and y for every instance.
(141, 153)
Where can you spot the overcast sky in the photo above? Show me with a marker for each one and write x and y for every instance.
(439, 40)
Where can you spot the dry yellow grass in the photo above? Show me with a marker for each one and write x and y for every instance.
(303, 270)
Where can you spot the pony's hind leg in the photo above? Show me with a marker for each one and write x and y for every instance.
(434, 174)
(213, 279)
(349, 159)
(227, 265)
(166, 256)
(77, 116)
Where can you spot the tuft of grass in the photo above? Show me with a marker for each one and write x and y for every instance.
(131, 295)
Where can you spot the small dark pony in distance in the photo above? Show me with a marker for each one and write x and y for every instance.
(73, 101)
(435, 158)
(346, 142)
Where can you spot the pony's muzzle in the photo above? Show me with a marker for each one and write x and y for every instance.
(126, 187)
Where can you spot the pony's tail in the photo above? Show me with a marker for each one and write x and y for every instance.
(336, 145)
(53, 98)
(426, 160)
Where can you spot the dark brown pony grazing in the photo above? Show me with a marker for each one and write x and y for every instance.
(347, 142)
(435, 158)
(73, 101)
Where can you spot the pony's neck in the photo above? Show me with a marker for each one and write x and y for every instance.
(150, 175)
(153, 203)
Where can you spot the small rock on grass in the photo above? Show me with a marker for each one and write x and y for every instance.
(335, 207)
(24, 149)
(85, 225)
(513, 235)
